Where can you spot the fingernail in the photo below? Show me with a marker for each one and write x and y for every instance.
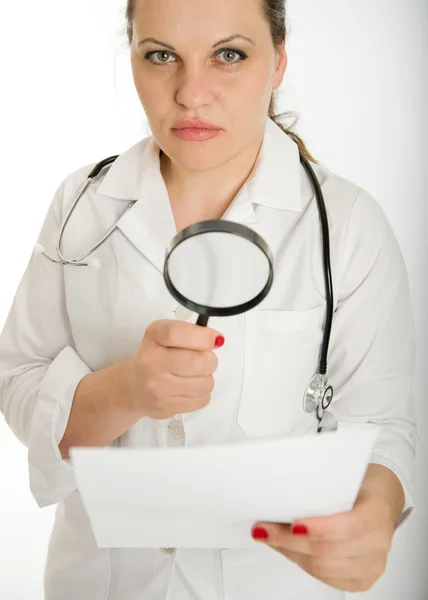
(259, 533)
(299, 530)
(219, 341)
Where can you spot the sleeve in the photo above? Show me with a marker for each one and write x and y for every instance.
(372, 351)
(39, 368)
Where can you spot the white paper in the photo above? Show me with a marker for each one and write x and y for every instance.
(211, 496)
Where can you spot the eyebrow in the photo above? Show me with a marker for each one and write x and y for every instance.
(225, 41)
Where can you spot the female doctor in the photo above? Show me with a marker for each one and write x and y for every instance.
(106, 357)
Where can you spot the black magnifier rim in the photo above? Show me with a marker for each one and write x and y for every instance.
(217, 226)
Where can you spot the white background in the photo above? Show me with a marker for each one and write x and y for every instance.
(357, 76)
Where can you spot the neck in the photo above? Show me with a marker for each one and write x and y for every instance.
(201, 195)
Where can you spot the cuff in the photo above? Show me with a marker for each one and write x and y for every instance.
(409, 503)
(51, 477)
(395, 449)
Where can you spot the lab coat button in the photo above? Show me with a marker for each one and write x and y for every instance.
(176, 429)
(183, 314)
(168, 550)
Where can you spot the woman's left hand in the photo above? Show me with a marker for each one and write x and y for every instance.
(348, 551)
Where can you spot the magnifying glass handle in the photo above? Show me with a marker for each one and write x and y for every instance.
(202, 320)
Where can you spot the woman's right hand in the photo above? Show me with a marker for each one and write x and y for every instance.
(172, 371)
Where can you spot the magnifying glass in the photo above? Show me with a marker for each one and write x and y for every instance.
(218, 269)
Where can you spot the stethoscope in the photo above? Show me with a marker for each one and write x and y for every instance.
(319, 394)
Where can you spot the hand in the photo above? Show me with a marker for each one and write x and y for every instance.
(348, 551)
(172, 371)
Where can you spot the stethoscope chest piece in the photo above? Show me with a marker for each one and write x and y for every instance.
(318, 395)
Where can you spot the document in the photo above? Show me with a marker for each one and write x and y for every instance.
(211, 496)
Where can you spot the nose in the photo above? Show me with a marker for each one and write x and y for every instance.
(194, 89)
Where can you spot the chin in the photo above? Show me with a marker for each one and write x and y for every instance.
(198, 156)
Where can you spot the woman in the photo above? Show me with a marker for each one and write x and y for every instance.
(97, 358)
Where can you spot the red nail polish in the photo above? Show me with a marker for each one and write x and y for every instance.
(260, 534)
(219, 341)
(300, 530)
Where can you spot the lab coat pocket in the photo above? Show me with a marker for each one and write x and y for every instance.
(281, 354)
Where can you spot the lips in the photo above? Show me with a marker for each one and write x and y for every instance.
(195, 124)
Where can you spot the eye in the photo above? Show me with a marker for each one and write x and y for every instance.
(161, 56)
(231, 55)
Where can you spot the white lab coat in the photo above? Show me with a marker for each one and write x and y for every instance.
(67, 322)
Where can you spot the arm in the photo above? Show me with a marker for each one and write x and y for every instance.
(52, 400)
(39, 368)
(382, 483)
(371, 367)
(373, 343)
(101, 411)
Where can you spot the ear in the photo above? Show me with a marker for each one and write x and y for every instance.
(281, 66)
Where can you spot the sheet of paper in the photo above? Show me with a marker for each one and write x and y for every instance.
(211, 496)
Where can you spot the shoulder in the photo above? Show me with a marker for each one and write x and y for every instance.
(73, 182)
(363, 239)
(350, 207)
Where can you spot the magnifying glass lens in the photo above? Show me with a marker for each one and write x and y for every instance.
(218, 268)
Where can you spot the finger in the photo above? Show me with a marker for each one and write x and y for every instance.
(189, 363)
(180, 334)
(365, 567)
(362, 520)
(281, 536)
(179, 405)
(190, 405)
(190, 387)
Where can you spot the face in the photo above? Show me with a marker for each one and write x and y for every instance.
(186, 66)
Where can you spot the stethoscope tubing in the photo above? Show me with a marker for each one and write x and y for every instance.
(203, 318)
(94, 173)
(328, 278)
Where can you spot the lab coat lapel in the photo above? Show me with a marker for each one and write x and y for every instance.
(277, 180)
(275, 183)
(149, 224)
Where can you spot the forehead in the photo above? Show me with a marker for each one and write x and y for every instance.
(208, 19)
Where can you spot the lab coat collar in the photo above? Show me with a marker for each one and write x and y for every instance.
(275, 182)
(276, 178)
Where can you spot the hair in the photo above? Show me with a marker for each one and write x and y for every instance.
(274, 12)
